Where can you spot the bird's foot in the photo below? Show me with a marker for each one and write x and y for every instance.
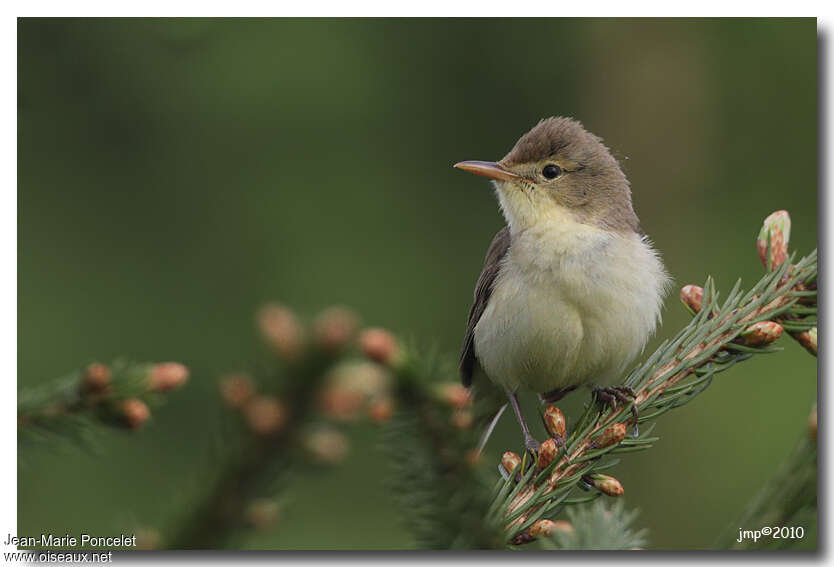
(613, 395)
(532, 445)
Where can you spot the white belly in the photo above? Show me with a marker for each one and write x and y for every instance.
(570, 308)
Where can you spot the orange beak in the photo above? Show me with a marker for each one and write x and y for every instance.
(488, 169)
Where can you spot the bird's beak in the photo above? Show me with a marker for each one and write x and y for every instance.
(488, 169)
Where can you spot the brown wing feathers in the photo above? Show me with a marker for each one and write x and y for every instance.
(483, 290)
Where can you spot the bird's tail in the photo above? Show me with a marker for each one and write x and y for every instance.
(490, 428)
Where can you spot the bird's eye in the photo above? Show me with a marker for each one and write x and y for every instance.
(551, 171)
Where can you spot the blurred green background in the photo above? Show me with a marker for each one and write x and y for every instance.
(174, 174)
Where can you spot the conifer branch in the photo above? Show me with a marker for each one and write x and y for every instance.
(597, 526)
(118, 395)
(434, 474)
(282, 417)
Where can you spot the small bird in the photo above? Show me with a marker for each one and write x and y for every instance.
(571, 288)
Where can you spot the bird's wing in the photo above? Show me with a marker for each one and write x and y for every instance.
(483, 290)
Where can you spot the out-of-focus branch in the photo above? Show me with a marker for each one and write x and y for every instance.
(285, 416)
(121, 394)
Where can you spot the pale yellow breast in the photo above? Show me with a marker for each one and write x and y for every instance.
(571, 305)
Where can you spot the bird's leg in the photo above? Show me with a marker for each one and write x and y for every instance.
(529, 441)
(554, 396)
(614, 394)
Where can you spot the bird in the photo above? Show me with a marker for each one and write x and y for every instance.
(571, 288)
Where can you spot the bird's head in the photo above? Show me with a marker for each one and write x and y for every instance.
(559, 172)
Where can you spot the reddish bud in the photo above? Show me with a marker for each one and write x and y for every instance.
(612, 435)
(761, 333)
(381, 410)
(261, 513)
(334, 328)
(326, 446)
(808, 339)
(472, 457)
(775, 234)
(134, 412)
(379, 345)
(562, 526)
(692, 296)
(605, 484)
(462, 419)
(547, 452)
(340, 403)
(166, 376)
(549, 527)
(453, 394)
(281, 330)
(348, 386)
(96, 378)
(266, 415)
(510, 461)
(554, 421)
(147, 539)
(236, 390)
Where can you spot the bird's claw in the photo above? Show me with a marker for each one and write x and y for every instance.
(532, 445)
(614, 394)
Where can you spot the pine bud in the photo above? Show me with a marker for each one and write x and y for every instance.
(96, 378)
(261, 513)
(547, 452)
(236, 390)
(472, 457)
(462, 419)
(134, 412)
(549, 527)
(341, 403)
(166, 376)
(812, 424)
(326, 446)
(147, 539)
(281, 330)
(334, 328)
(554, 421)
(775, 233)
(266, 415)
(381, 410)
(605, 484)
(692, 296)
(453, 394)
(349, 385)
(761, 333)
(612, 435)
(379, 345)
(510, 461)
(562, 526)
(808, 339)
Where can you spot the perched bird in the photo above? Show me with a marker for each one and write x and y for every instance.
(571, 288)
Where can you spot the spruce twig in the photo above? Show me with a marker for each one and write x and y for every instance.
(72, 407)
(434, 474)
(278, 421)
(258, 466)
